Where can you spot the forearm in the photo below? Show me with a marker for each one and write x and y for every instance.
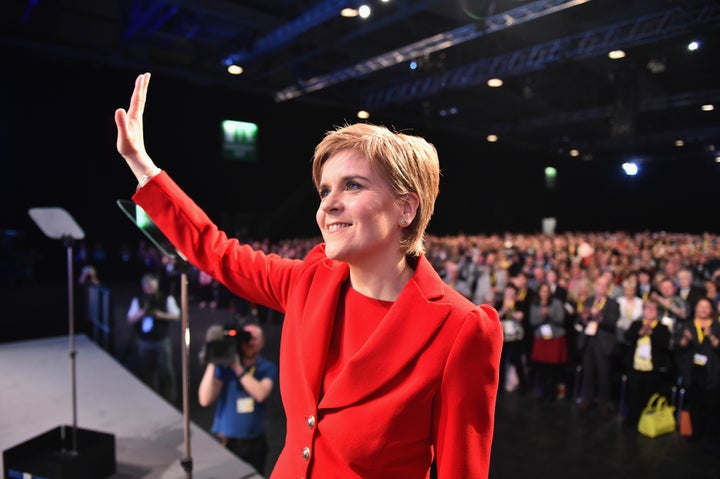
(259, 390)
(165, 315)
(209, 386)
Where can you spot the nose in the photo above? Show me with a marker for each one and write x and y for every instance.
(331, 202)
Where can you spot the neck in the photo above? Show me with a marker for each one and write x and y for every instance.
(384, 281)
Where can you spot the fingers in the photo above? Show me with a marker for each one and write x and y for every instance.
(139, 96)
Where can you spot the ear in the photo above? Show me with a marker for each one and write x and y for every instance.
(409, 204)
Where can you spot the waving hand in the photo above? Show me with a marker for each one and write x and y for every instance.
(130, 141)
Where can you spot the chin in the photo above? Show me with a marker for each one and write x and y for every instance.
(335, 252)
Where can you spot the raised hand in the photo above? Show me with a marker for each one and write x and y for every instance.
(130, 140)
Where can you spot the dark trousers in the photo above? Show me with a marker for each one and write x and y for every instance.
(704, 406)
(512, 354)
(596, 375)
(253, 451)
(156, 367)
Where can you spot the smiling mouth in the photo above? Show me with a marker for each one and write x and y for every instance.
(337, 226)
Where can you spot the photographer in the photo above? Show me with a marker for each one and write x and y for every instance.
(240, 389)
(151, 313)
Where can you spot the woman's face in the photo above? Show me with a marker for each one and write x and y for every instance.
(359, 216)
(703, 309)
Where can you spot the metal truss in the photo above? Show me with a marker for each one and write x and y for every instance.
(429, 45)
(639, 31)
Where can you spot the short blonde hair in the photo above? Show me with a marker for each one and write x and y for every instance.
(409, 163)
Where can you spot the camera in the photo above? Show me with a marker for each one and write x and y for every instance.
(222, 343)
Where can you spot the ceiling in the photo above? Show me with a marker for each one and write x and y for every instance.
(560, 92)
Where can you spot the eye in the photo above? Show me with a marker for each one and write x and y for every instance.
(323, 192)
(352, 185)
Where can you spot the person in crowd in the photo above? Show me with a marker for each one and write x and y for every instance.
(512, 319)
(644, 283)
(687, 289)
(549, 349)
(240, 390)
(712, 291)
(151, 313)
(698, 356)
(88, 276)
(557, 290)
(385, 368)
(490, 277)
(597, 342)
(631, 309)
(673, 309)
(523, 299)
(650, 361)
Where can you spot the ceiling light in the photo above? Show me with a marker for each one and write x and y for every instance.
(630, 168)
(692, 46)
(679, 143)
(717, 159)
(616, 54)
(656, 65)
(349, 12)
(574, 152)
(364, 11)
(494, 82)
(363, 115)
(707, 107)
(235, 69)
(492, 138)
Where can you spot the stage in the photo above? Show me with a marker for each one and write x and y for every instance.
(36, 396)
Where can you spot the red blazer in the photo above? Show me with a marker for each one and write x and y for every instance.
(424, 383)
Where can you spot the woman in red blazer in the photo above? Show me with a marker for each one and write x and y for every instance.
(383, 367)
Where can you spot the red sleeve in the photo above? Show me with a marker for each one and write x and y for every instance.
(465, 410)
(253, 275)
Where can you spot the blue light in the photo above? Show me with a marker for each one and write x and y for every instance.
(413, 65)
(630, 168)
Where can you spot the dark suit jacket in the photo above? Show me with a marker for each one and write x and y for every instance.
(606, 337)
(424, 383)
(659, 342)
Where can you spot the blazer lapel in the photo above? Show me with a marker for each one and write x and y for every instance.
(317, 323)
(408, 326)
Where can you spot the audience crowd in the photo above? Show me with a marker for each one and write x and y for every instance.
(601, 320)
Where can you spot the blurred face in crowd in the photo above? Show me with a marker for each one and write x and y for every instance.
(667, 288)
(601, 286)
(684, 278)
(650, 310)
(703, 309)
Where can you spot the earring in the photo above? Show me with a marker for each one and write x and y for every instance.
(403, 222)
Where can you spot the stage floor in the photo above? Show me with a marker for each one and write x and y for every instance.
(36, 396)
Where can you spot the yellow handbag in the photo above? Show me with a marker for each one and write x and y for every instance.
(657, 418)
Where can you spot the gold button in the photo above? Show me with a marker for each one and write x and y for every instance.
(306, 453)
(311, 422)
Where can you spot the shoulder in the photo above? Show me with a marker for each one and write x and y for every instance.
(472, 318)
(267, 367)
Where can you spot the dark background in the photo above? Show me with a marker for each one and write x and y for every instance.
(57, 142)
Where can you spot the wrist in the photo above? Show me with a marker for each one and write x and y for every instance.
(149, 174)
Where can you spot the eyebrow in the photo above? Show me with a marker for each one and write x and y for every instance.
(345, 179)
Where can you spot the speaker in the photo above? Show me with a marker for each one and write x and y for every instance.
(51, 456)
